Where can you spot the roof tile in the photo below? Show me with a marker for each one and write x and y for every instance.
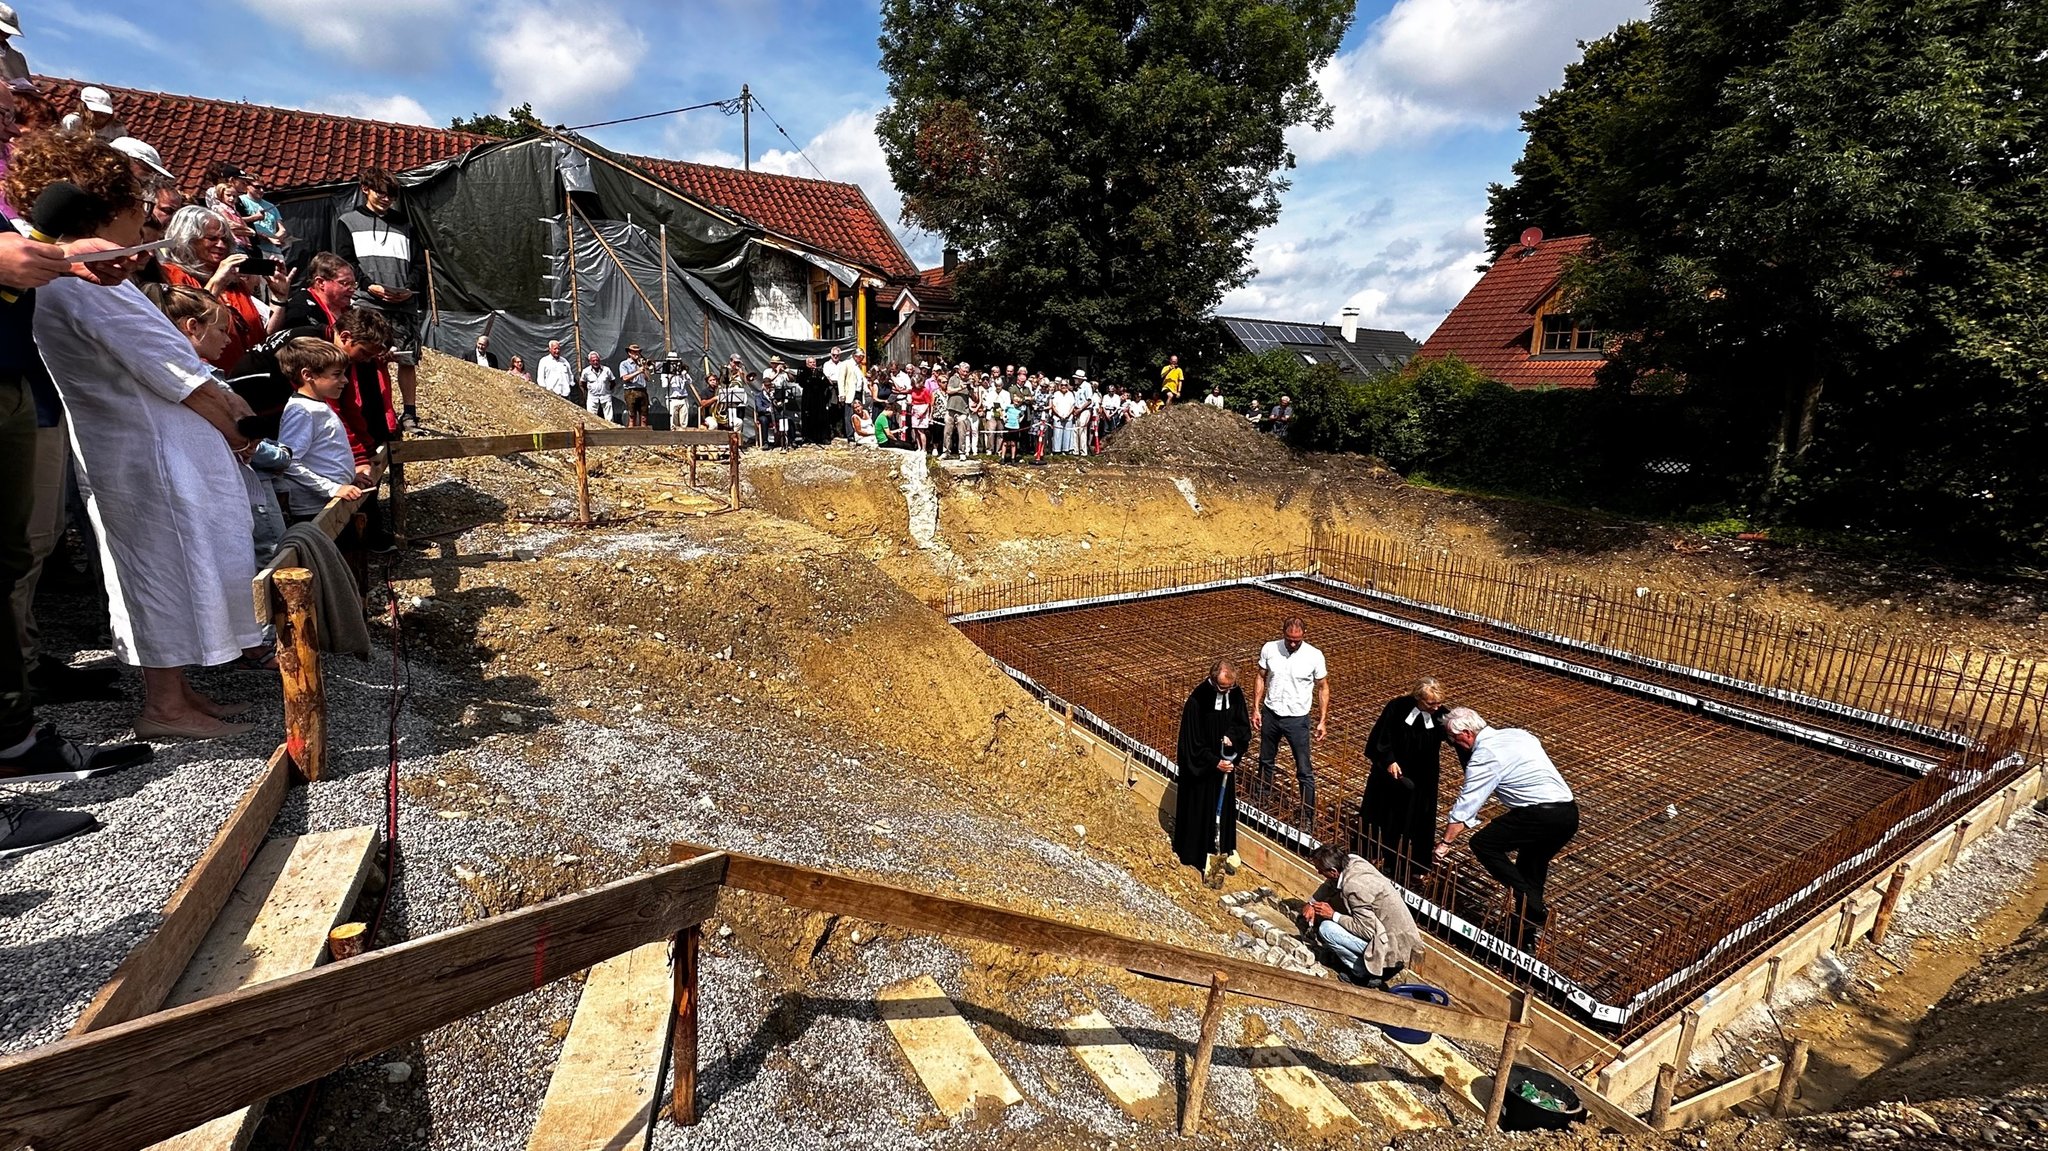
(1492, 326)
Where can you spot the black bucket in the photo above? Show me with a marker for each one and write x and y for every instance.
(1521, 1114)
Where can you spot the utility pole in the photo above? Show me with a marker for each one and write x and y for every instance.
(746, 129)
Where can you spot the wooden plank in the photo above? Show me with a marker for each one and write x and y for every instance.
(917, 911)
(125, 1087)
(1447, 1065)
(1394, 1103)
(603, 1092)
(466, 447)
(153, 968)
(1122, 1069)
(1715, 1102)
(943, 1050)
(274, 925)
(1279, 1069)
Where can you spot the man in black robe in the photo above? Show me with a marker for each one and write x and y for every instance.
(817, 403)
(1397, 817)
(1215, 728)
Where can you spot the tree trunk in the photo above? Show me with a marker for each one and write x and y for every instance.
(1797, 412)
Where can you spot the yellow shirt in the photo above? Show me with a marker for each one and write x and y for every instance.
(1170, 377)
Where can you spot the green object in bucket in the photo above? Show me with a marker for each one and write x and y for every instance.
(1541, 1098)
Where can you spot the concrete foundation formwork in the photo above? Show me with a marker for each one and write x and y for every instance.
(1714, 820)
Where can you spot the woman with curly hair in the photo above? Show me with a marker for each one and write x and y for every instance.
(156, 443)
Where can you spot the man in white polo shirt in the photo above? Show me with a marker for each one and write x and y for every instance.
(1510, 765)
(1292, 678)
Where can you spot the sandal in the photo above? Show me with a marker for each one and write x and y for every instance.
(264, 660)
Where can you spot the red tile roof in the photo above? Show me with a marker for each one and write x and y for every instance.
(933, 287)
(825, 214)
(1492, 326)
(286, 147)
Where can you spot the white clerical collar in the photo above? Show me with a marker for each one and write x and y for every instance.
(1415, 713)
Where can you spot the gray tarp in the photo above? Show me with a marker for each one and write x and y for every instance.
(492, 219)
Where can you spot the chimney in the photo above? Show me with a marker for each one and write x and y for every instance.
(1350, 325)
(952, 260)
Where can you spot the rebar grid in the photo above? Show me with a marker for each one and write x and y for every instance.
(1636, 898)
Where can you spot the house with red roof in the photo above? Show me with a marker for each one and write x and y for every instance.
(823, 265)
(1515, 324)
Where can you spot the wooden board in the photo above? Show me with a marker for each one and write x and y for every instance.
(607, 1082)
(942, 915)
(275, 924)
(125, 1087)
(152, 969)
(944, 1051)
(1448, 1066)
(463, 447)
(1718, 1100)
(1122, 1069)
(1395, 1104)
(1279, 1070)
(1604, 1110)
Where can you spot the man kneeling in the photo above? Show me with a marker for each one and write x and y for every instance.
(1366, 931)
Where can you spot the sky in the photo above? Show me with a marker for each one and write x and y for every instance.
(1386, 212)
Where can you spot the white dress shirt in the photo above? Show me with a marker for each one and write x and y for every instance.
(1291, 679)
(554, 374)
(1510, 765)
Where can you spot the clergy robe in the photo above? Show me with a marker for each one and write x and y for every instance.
(165, 492)
(1210, 715)
(1401, 813)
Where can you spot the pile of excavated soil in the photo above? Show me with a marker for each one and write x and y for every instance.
(1196, 434)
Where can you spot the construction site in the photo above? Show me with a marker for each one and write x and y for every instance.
(693, 797)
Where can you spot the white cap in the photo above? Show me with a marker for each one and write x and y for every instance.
(97, 99)
(135, 149)
(1079, 374)
(10, 24)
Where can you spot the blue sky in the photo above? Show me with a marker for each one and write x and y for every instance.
(1386, 211)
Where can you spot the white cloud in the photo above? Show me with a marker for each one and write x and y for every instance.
(394, 109)
(1403, 272)
(566, 59)
(1432, 66)
(388, 35)
(97, 25)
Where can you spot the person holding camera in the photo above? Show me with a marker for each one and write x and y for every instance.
(201, 254)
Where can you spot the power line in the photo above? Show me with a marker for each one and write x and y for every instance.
(791, 139)
(727, 106)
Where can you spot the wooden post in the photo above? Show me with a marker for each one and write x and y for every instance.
(734, 464)
(298, 664)
(668, 349)
(582, 475)
(683, 1040)
(1688, 1031)
(1955, 847)
(433, 297)
(1777, 966)
(1788, 1083)
(1510, 1049)
(346, 941)
(575, 309)
(630, 281)
(1205, 1049)
(693, 465)
(395, 472)
(1660, 1099)
(1890, 904)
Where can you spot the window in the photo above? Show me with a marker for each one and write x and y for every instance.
(1565, 333)
(835, 317)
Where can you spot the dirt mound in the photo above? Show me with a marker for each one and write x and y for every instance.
(1196, 434)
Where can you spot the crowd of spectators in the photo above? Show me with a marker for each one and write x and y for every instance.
(201, 379)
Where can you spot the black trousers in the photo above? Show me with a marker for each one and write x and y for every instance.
(17, 504)
(1534, 835)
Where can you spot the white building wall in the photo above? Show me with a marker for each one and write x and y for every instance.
(780, 300)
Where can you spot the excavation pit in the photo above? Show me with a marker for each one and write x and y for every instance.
(1781, 804)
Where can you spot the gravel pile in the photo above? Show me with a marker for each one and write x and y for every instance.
(1196, 434)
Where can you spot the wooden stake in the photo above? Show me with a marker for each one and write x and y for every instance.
(346, 941)
(1788, 1083)
(575, 309)
(396, 474)
(433, 297)
(683, 1041)
(1688, 1031)
(1660, 1099)
(734, 464)
(1205, 1049)
(298, 664)
(668, 349)
(1510, 1048)
(1892, 891)
(582, 475)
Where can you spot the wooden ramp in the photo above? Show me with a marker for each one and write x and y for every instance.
(1460, 1076)
(1395, 1104)
(1279, 1069)
(607, 1082)
(275, 924)
(1122, 1069)
(944, 1051)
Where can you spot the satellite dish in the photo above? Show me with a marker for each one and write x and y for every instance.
(1531, 237)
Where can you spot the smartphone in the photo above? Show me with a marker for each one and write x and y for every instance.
(258, 266)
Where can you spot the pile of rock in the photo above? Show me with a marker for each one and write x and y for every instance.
(1268, 942)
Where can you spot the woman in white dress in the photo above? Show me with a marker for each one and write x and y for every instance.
(153, 432)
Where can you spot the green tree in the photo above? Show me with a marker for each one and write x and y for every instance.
(516, 122)
(1105, 163)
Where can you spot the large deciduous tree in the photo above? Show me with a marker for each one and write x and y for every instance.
(1831, 218)
(1104, 164)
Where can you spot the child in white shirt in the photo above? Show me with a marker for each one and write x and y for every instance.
(323, 467)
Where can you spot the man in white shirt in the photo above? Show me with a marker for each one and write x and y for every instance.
(682, 395)
(597, 383)
(1510, 765)
(554, 373)
(484, 357)
(1292, 678)
(1215, 398)
(848, 380)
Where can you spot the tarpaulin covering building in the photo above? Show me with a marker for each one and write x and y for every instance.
(498, 226)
